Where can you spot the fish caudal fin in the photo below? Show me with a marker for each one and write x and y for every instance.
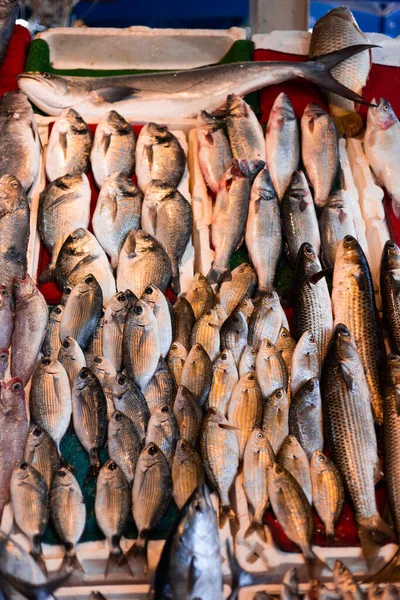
(241, 578)
(372, 533)
(314, 564)
(36, 591)
(118, 562)
(70, 563)
(256, 526)
(139, 551)
(390, 572)
(226, 512)
(217, 275)
(49, 274)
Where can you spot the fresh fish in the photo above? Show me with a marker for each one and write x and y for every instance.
(282, 144)
(275, 419)
(68, 515)
(129, 400)
(320, 151)
(124, 443)
(299, 218)
(264, 231)
(214, 152)
(389, 288)
(241, 286)
(335, 222)
(113, 148)
(69, 145)
(4, 356)
(290, 585)
(112, 507)
(14, 230)
(141, 344)
(118, 211)
(230, 214)
(50, 398)
(160, 307)
(220, 452)
(305, 417)
(29, 501)
(8, 15)
(89, 414)
(187, 472)
(248, 360)
(41, 452)
(244, 130)
(196, 374)
(163, 431)
(105, 373)
(292, 457)
(265, 322)
(161, 388)
(175, 360)
(142, 262)
(271, 369)
(225, 378)
(345, 584)
(257, 459)
(206, 332)
(144, 96)
(156, 190)
(234, 333)
(351, 435)
(188, 415)
(245, 409)
(327, 491)
(286, 345)
(151, 493)
(159, 155)
(72, 359)
(200, 295)
(184, 320)
(6, 318)
(66, 290)
(52, 342)
(353, 302)
(95, 347)
(113, 327)
(20, 143)
(81, 255)
(82, 311)
(306, 363)
(312, 311)
(14, 427)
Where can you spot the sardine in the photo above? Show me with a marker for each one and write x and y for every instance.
(389, 288)
(306, 363)
(52, 342)
(247, 360)
(129, 400)
(275, 419)
(161, 388)
(305, 417)
(184, 320)
(163, 431)
(271, 369)
(206, 332)
(241, 286)
(244, 130)
(175, 360)
(6, 318)
(225, 378)
(214, 152)
(124, 443)
(327, 491)
(161, 309)
(41, 452)
(196, 374)
(335, 222)
(245, 409)
(265, 322)
(8, 15)
(187, 472)
(200, 295)
(105, 373)
(293, 458)
(113, 327)
(72, 358)
(188, 415)
(82, 311)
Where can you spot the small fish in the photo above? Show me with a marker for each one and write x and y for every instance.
(95, 347)
(206, 332)
(184, 320)
(82, 311)
(305, 417)
(214, 152)
(161, 388)
(306, 363)
(113, 148)
(105, 373)
(286, 345)
(335, 222)
(113, 326)
(6, 318)
(72, 358)
(244, 130)
(129, 400)
(163, 431)
(248, 360)
(161, 309)
(188, 415)
(265, 322)
(175, 360)
(124, 443)
(200, 295)
(327, 491)
(225, 378)
(241, 286)
(246, 306)
(292, 457)
(68, 515)
(275, 419)
(41, 452)
(187, 472)
(389, 288)
(234, 333)
(52, 342)
(196, 374)
(271, 369)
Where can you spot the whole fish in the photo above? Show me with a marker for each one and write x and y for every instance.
(224, 380)
(82, 311)
(271, 369)
(72, 358)
(68, 515)
(8, 15)
(30, 324)
(299, 218)
(335, 222)
(141, 344)
(142, 261)
(69, 145)
(113, 148)
(6, 317)
(200, 295)
(206, 332)
(213, 150)
(234, 334)
(286, 345)
(282, 144)
(29, 501)
(144, 96)
(105, 373)
(245, 409)
(175, 360)
(112, 507)
(244, 130)
(196, 374)
(163, 431)
(151, 493)
(241, 286)
(52, 342)
(220, 453)
(389, 288)
(95, 346)
(257, 459)
(247, 360)
(320, 151)
(161, 309)
(124, 443)
(264, 231)
(129, 400)
(89, 414)
(265, 321)
(306, 363)
(313, 310)
(292, 457)
(41, 452)
(159, 155)
(117, 212)
(113, 327)
(353, 302)
(327, 491)
(155, 191)
(275, 419)
(305, 417)
(184, 320)
(188, 415)
(14, 427)
(351, 435)
(20, 143)
(50, 398)
(81, 255)
(14, 230)
(161, 388)
(187, 472)
(230, 215)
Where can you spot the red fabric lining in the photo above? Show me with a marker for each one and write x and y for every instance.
(14, 60)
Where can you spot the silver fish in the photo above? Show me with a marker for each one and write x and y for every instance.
(200, 295)
(275, 419)
(72, 358)
(41, 452)
(234, 333)
(244, 130)
(184, 320)
(129, 400)
(335, 222)
(161, 388)
(124, 444)
(52, 342)
(188, 415)
(225, 378)
(305, 417)
(155, 191)
(265, 322)
(327, 491)
(175, 360)
(187, 472)
(247, 360)
(306, 363)
(206, 333)
(213, 150)
(241, 286)
(6, 318)
(286, 345)
(82, 311)
(113, 327)
(271, 369)
(293, 458)
(245, 409)
(95, 347)
(161, 309)
(8, 15)
(163, 431)
(196, 374)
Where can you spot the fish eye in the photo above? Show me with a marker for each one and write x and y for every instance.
(165, 409)
(148, 291)
(46, 361)
(284, 335)
(269, 345)
(312, 338)
(121, 380)
(23, 466)
(46, 75)
(278, 470)
(14, 183)
(4, 292)
(112, 466)
(37, 431)
(61, 473)
(17, 386)
(174, 346)
(308, 250)
(208, 313)
(84, 373)
(89, 279)
(279, 394)
(121, 297)
(4, 356)
(289, 441)
(67, 290)
(66, 344)
(253, 352)
(259, 435)
(224, 356)
(212, 411)
(250, 377)
(183, 446)
(153, 450)
(138, 310)
(58, 310)
(118, 417)
(321, 458)
(146, 237)
(98, 360)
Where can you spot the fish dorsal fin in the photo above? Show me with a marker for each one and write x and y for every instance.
(112, 94)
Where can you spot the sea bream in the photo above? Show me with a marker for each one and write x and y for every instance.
(182, 93)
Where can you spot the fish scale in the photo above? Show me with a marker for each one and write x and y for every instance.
(207, 333)
(389, 286)
(187, 472)
(245, 408)
(327, 489)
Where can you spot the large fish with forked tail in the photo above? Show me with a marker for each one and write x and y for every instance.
(186, 93)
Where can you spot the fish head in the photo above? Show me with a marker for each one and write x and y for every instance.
(390, 257)
(152, 295)
(145, 242)
(103, 365)
(343, 579)
(178, 350)
(282, 110)
(12, 395)
(24, 471)
(121, 385)
(382, 116)
(203, 516)
(117, 124)
(63, 478)
(258, 440)
(111, 474)
(267, 349)
(238, 322)
(50, 366)
(52, 93)
(86, 285)
(117, 423)
(36, 437)
(291, 448)
(220, 312)
(185, 452)
(225, 362)
(70, 121)
(163, 414)
(279, 400)
(349, 252)
(298, 183)
(277, 475)
(151, 455)
(243, 268)
(211, 317)
(183, 397)
(308, 394)
(79, 242)
(308, 257)
(244, 168)
(24, 288)
(5, 299)
(206, 123)
(12, 194)
(312, 113)
(214, 416)
(85, 378)
(262, 188)
(246, 308)
(197, 352)
(285, 340)
(236, 107)
(121, 302)
(141, 314)
(319, 462)
(69, 347)
(153, 134)
(16, 105)
(57, 313)
(346, 348)
(157, 190)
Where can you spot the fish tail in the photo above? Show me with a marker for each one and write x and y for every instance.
(373, 532)
(117, 561)
(256, 525)
(314, 564)
(70, 561)
(139, 551)
(217, 275)
(318, 70)
(240, 577)
(226, 512)
(94, 467)
(389, 572)
(37, 554)
(49, 274)
(36, 591)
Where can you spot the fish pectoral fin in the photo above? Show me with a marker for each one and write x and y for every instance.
(347, 375)
(34, 591)
(313, 279)
(193, 576)
(361, 281)
(112, 94)
(228, 426)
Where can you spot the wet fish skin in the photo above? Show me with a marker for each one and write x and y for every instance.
(113, 326)
(129, 400)
(124, 443)
(52, 342)
(241, 286)
(286, 345)
(188, 415)
(245, 409)
(161, 388)
(257, 459)
(160, 307)
(200, 295)
(214, 152)
(6, 317)
(327, 489)
(95, 346)
(82, 311)
(293, 458)
(105, 373)
(271, 369)
(306, 363)
(275, 419)
(187, 472)
(196, 374)
(265, 322)
(14, 230)
(245, 133)
(41, 452)
(155, 192)
(282, 144)
(206, 332)
(345, 583)
(389, 286)
(163, 431)
(305, 417)
(225, 378)
(184, 320)
(113, 149)
(175, 360)
(72, 358)
(4, 355)
(248, 360)
(8, 15)
(335, 222)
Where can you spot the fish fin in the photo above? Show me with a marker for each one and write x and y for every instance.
(226, 512)
(361, 281)
(36, 591)
(228, 426)
(372, 533)
(112, 94)
(256, 527)
(118, 562)
(106, 141)
(94, 466)
(49, 274)
(70, 563)
(389, 572)
(62, 140)
(241, 578)
(318, 69)
(314, 564)
(347, 375)
(320, 275)
(175, 284)
(139, 551)
(217, 275)
(38, 557)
